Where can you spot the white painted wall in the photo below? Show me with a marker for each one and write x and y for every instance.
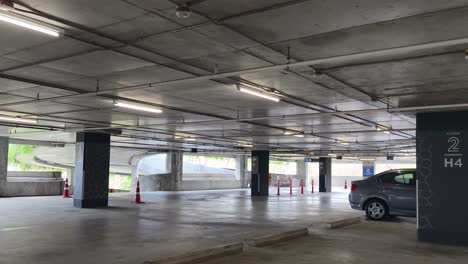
(352, 169)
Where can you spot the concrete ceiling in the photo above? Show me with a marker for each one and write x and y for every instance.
(135, 50)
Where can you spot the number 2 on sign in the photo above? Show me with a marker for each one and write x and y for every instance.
(454, 141)
(453, 158)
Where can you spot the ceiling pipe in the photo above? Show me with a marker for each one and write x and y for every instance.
(44, 143)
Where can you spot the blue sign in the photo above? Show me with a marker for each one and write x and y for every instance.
(367, 171)
(310, 160)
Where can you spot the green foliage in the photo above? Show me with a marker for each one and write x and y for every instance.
(15, 150)
(126, 184)
(120, 182)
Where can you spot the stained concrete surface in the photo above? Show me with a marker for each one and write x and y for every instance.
(49, 230)
(392, 242)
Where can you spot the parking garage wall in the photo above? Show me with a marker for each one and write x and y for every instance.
(350, 170)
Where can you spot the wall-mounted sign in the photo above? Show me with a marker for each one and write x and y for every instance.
(368, 169)
(310, 160)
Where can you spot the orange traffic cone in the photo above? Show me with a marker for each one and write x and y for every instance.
(138, 197)
(66, 192)
(345, 184)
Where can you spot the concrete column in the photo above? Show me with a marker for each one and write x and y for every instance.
(260, 173)
(134, 179)
(70, 175)
(91, 170)
(442, 177)
(325, 174)
(301, 171)
(175, 161)
(3, 164)
(241, 170)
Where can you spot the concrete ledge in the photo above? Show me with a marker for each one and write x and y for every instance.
(236, 248)
(343, 222)
(202, 255)
(271, 239)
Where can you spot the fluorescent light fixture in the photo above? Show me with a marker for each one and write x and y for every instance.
(185, 138)
(343, 143)
(387, 132)
(138, 107)
(25, 22)
(331, 154)
(246, 145)
(18, 120)
(259, 94)
(288, 133)
(367, 159)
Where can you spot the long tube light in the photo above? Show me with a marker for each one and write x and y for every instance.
(138, 107)
(299, 135)
(35, 25)
(259, 94)
(18, 120)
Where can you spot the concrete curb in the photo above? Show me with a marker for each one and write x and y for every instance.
(236, 248)
(202, 255)
(343, 222)
(271, 239)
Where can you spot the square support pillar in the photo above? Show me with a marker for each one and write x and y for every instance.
(135, 172)
(91, 170)
(70, 175)
(3, 164)
(175, 161)
(302, 171)
(325, 174)
(442, 177)
(241, 170)
(260, 173)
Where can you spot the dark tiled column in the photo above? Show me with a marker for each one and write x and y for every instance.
(91, 170)
(260, 173)
(442, 173)
(325, 174)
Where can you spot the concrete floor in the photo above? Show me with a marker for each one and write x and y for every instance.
(367, 243)
(49, 230)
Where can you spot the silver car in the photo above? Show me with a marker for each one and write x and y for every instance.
(390, 193)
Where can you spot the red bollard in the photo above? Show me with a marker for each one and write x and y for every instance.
(345, 184)
(66, 192)
(290, 186)
(312, 185)
(279, 185)
(137, 196)
(302, 186)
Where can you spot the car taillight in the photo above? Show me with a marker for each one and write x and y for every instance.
(353, 187)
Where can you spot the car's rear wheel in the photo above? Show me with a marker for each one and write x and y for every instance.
(376, 210)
